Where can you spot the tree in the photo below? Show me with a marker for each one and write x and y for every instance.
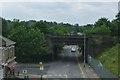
(16, 23)
(115, 28)
(102, 30)
(102, 21)
(60, 30)
(118, 23)
(76, 28)
(4, 27)
(29, 42)
(42, 26)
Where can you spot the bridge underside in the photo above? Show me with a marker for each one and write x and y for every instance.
(54, 41)
(71, 40)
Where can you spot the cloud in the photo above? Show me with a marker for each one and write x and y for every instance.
(70, 12)
(0, 9)
(59, 0)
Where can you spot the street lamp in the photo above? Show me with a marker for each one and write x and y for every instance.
(84, 49)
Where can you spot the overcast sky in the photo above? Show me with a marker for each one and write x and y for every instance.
(67, 12)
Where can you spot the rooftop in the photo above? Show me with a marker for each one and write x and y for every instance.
(5, 42)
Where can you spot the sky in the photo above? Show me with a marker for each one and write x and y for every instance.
(67, 12)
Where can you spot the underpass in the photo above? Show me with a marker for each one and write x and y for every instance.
(69, 66)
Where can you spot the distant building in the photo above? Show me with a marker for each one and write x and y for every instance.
(7, 58)
(15, 20)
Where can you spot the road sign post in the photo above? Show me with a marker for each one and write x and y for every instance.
(41, 66)
(25, 71)
(26, 77)
(41, 69)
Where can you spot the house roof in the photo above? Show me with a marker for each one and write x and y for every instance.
(5, 41)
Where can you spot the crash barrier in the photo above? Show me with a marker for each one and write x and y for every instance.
(98, 67)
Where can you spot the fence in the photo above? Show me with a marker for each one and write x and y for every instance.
(1, 74)
(97, 66)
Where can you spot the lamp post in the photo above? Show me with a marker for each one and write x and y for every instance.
(84, 49)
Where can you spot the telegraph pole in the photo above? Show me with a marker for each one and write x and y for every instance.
(84, 49)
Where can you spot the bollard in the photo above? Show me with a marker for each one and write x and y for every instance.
(41, 78)
(18, 73)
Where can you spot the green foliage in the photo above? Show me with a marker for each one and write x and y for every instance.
(4, 27)
(109, 58)
(88, 31)
(102, 30)
(60, 30)
(41, 26)
(28, 41)
(102, 21)
(114, 28)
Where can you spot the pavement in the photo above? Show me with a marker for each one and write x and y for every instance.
(69, 67)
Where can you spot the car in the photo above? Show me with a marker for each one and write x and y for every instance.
(73, 49)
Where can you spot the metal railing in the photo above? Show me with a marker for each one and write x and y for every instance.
(98, 67)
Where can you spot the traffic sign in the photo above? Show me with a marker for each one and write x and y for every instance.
(25, 71)
(41, 67)
(40, 63)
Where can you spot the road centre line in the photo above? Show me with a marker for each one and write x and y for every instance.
(36, 75)
(66, 77)
(33, 75)
(95, 75)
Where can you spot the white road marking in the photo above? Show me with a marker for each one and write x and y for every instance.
(66, 77)
(32, 75)
(80, 67)
(95, 75)
(60, 75)
(50, 75)
(44, 75)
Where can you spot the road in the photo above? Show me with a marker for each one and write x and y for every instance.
(68, 67)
